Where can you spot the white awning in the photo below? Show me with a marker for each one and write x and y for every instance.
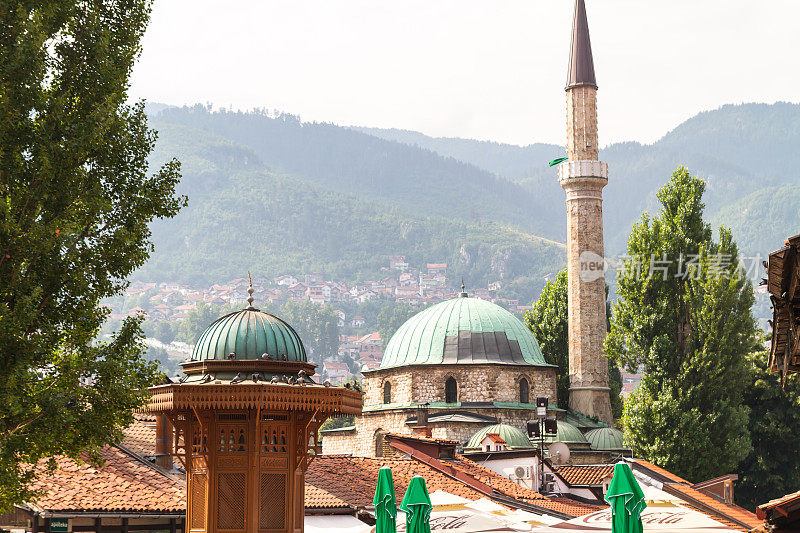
(335, 524)
(656, 519)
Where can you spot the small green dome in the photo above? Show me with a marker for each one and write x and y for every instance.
(463, 331)
(606, 439)
(567, 433)
(515, 439)
(248, 334)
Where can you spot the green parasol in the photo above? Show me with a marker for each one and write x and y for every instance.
(385, 502)
(558, 160)
(417, 506)
(626, 499)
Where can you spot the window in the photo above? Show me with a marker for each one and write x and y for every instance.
(387, 392)
(524, 391)
(450, 391)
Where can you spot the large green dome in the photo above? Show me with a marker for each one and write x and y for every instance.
(606, 439)
(463, 331)
(515, 438)
(249, 334)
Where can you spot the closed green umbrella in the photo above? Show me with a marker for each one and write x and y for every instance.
(626, 499)
(417, 506)
(385, 503)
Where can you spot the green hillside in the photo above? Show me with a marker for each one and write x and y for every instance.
(242, 217)
(415, 180)
(737, 149)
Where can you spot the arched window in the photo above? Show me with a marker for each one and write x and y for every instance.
(387, 392)
(524, 391)
(450, 391)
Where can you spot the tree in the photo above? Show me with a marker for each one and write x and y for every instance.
(683, 317)
(196, 321)
(772, 468)
(317, 325)
(77, 199)
(549, 323)
(548, 320)
(391, 317)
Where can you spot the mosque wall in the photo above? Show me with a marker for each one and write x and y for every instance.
(363, 441)
(475, 383)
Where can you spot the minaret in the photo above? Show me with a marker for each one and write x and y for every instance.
(583, 178)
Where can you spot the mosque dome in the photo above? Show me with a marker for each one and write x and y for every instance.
(463, 330)
(248, 334)
(606, 439)
(515, 439)
(567, 433)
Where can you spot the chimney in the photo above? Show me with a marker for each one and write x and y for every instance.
(163, 442)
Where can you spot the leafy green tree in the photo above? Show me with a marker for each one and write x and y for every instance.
(196, 321)
(165, 331)
(772, 468)
(77, 201)
(683, 317)
(391, 317)
(317, 325)
(549, 322)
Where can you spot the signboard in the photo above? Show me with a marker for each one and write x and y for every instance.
(59, 525)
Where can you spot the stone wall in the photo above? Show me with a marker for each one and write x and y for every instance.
(362, 440)
(476, 383)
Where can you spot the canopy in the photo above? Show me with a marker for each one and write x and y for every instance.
(626, 499)
(385, 502)
(655, 519)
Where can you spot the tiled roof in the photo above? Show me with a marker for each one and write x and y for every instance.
(317, 498)
(658, 470)
(421, 438)
(508, 487)
(585, 475)
(353, 479)
(122, 484)
(140, 437)
(778, 502)
(734, 512)
(494, 437)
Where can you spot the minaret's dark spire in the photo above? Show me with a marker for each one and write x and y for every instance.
(581, 65)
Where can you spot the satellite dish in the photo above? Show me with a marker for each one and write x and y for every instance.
(520, 472)
(559, 453)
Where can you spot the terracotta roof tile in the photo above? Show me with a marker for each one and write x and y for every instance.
(496, 438)
(317, 498)
(658, 470)
(764, 507)
(122, 484)
(353, 479)
(734, 512)
(585, 475)
(140, 437)
(506, 486)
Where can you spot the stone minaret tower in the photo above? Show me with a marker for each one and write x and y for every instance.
(583, 178)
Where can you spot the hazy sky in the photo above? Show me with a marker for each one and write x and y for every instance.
(490, 70)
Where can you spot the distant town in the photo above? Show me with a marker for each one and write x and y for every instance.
(359, 344)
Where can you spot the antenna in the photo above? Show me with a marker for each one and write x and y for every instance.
(559, 453)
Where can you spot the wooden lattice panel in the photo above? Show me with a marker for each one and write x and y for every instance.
(274, 437)
(231, 438)
(197, 501)
(231, 503)
(272, 512)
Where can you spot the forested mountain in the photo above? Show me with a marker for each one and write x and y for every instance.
(271, 193)
(737, 149)
(415, 181)
(243, 217)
